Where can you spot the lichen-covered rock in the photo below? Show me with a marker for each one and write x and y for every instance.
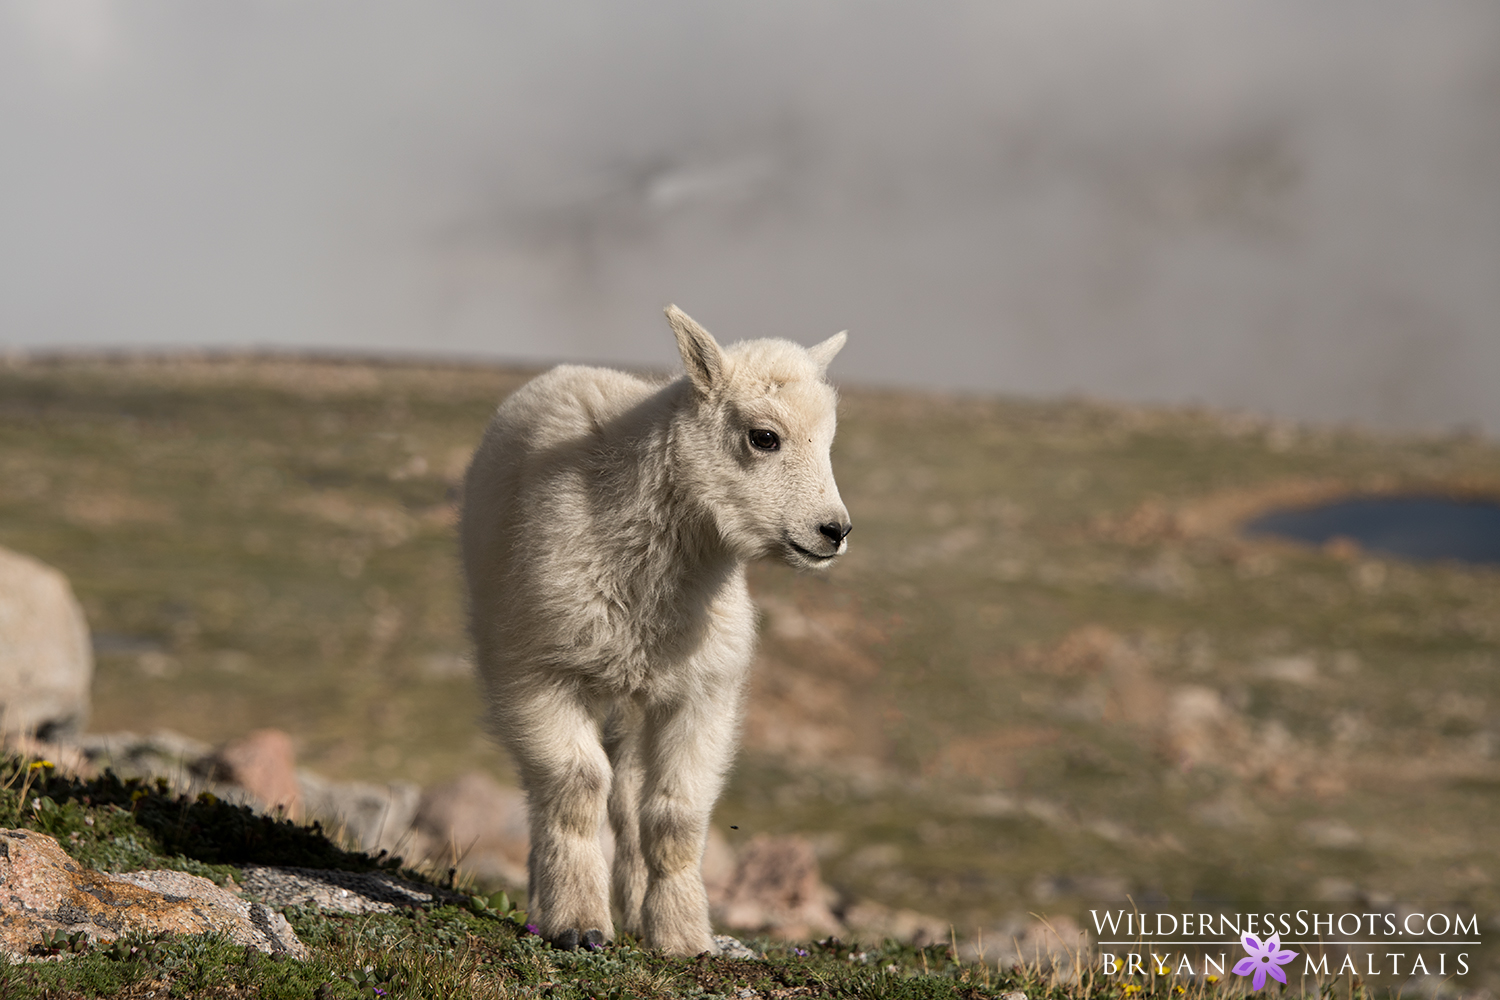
(46, 660)
(43, 890)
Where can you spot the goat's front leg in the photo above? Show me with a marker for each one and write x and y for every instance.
(556, 742)
(687, 747)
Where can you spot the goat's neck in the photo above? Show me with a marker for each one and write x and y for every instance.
(670, 548)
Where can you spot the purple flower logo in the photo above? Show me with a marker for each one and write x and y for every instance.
(1263, 959)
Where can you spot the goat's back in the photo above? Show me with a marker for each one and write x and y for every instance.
(543, 508)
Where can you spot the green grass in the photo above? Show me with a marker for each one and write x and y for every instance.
(446, 951)
(972, 714)
(439, 952)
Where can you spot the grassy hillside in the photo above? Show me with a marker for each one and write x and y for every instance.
(483, 950)
(1051, 674)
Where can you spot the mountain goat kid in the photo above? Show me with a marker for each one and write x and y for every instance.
(606, 527)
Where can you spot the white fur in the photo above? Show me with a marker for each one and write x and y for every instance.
(606, 527)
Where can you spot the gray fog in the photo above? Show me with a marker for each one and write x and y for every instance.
(1288, 206)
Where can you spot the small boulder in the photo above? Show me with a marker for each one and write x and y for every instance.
(46, 661)
(777, 889)
(264, 763)
(46, 891)
(478, 823)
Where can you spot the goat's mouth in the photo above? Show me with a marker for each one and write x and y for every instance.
(810, 556)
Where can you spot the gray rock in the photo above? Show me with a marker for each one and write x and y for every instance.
(342, 892)
(162, 754)
(46, 661)
(730, 947)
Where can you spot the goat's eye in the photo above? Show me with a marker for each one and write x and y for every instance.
(765, 440)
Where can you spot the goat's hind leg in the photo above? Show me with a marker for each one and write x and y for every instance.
(556, 743)
(622, 742)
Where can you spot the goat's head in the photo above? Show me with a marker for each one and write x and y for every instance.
(754, 443)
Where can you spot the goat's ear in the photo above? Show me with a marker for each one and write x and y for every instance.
(701, 354)
(823, 353)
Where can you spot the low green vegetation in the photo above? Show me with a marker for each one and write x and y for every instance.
(484, 950)
(481, 951)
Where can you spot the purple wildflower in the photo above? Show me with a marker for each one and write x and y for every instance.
(801, 952)
(1263, 959)
(533, 929)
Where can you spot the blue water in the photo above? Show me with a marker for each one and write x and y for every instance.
(1411, 527)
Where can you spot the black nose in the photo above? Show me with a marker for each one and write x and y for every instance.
(835, 532)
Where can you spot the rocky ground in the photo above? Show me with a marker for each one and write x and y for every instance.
(168, 885)
(130, 887)
(472, 833)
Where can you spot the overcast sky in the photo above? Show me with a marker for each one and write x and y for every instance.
(1284, 205)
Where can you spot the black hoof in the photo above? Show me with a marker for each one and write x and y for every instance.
(593, 940)
(567, 940)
